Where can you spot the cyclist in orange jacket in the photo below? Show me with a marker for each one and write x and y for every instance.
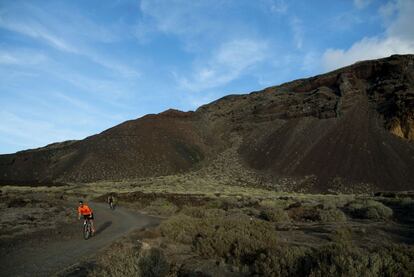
(87, 213)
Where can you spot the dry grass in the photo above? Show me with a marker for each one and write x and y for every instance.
(130, 258)
(25, 213)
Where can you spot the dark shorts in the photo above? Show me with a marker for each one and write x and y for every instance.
(88, 216)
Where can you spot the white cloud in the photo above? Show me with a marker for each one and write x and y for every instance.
(398, 39)
(367, 48)
(402, 27)
(226, 64)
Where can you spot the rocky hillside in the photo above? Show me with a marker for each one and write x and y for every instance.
(350, 127)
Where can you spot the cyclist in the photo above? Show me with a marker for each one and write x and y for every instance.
(87, 213)
(111, 201)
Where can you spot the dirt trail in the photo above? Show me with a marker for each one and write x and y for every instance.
(45, 258)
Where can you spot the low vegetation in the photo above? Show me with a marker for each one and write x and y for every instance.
(161, 207)
(129, 258)
(263, 234)
(369, 209)
(236, 238)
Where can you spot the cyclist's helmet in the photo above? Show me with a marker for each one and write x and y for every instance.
(80, 202)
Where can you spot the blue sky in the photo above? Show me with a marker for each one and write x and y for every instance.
(70, 69)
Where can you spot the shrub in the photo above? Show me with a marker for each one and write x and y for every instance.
(153, 263)
(126, 259)
(332, 215)
(336, 259)
(236, 238)
(397, 260)
(252, 212)
(215, 203)
(274, 215)
(302, 213)
(341, 235)
(161, 207)
(276, 203)
(201, 212)
(368, 209)
(333, 202)
(344, 260)
(181, 228)
(121, 260)
(281, 261)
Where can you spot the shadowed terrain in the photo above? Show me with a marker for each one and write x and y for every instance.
(350, 127)
(44, 256)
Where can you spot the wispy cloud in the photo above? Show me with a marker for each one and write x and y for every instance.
(226, 64)
(361, 4)
(278, 6)
(297, 30)
(29, 132)
(37, 31)
(77, 38)
(197, 24)
(21, 57)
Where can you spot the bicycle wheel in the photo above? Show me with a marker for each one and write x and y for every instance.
(87, 230)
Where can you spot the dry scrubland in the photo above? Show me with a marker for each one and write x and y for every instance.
(32, 212)
(229, 233)
(215, 230)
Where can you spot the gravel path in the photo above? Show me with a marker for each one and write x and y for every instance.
(45, 258)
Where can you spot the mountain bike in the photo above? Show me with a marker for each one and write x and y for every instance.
(87, 228)
(111, 205)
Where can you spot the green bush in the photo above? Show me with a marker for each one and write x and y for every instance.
(335, 259)
(236, 238)
(153, 264)
(126, 259)
(274, 215)
(121, 260)
(344, 260)
(304, 213)
(368, 209)
(282, 261)
(161, 207)
(252, 212)
(276, 203)
(252, 244)
(201, 212)
(332, 215)
(341, 235)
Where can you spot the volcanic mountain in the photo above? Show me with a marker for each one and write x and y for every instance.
(354, 123)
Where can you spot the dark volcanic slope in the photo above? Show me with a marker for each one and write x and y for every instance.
(162, 144)
(356, 123)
